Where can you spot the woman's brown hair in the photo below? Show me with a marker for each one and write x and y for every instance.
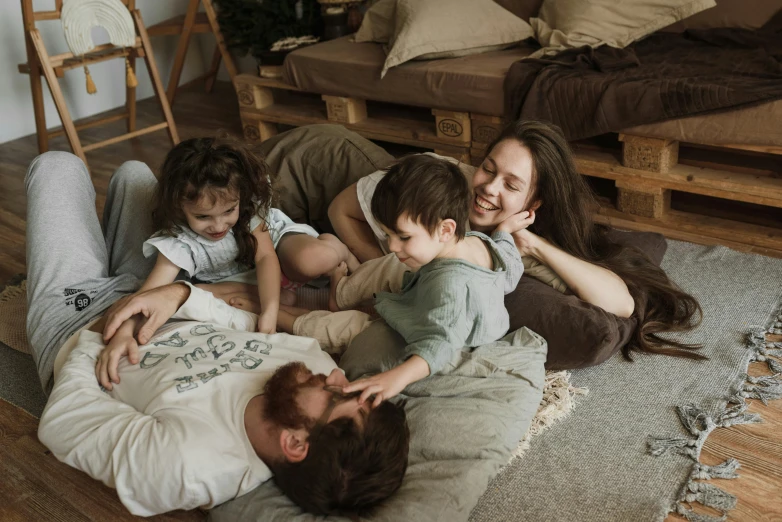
(214, 167)
(565, 219)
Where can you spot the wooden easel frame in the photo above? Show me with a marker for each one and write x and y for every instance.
(194, 22)
(39, 63)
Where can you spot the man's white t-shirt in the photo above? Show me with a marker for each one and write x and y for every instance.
(171, 434)
(365, 188)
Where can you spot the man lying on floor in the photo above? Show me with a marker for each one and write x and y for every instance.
(212, 411)
(209, 412)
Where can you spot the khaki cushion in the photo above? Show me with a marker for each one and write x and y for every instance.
(310, 165)
(563, 24)
(524, 9)
(745, 14)
(378, 23)
(426, 27)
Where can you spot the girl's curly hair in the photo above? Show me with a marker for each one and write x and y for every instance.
(214, 167)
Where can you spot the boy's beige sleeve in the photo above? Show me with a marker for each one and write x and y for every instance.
(536, 269)
(333, 330)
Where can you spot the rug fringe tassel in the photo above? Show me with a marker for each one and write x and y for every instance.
(12, 291)
(557, 402)
(692, 516)
(700, 423)
(726, 470)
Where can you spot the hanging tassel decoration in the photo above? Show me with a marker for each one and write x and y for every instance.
(130, 77)
(91, 89)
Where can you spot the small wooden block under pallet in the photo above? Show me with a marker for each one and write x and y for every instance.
(652, 154)
(345, 110)
(485, 129)
(643, 199)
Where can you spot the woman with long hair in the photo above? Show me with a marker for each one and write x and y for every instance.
(529, 178)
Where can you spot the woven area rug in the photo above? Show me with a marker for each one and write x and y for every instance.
(13, 312)
(630, 449)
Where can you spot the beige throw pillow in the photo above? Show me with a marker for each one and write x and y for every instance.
(378, 23)
(563, 24)
(426, 27)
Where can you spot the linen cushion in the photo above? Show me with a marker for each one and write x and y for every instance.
(563, 24)
(310, 165)
(429, 29)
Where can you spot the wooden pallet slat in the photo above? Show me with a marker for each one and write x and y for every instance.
(761, 190)
(704, 230)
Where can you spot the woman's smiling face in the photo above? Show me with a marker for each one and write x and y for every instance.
(501, 185)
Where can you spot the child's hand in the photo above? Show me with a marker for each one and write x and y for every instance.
(388, 384)
(267, 323)
(517, 222)
(383, 386)
(120, 345)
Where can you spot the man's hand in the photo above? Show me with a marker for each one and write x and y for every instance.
(123, 343)
(156, 305)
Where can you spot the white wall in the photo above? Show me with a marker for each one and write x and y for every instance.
(16, 106)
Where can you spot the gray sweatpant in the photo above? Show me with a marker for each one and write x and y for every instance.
(74, 270)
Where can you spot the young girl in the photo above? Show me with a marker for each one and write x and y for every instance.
(215, 221)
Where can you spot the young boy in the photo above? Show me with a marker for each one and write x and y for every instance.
(454, 295)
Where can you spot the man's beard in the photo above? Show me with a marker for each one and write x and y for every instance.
(280, 394)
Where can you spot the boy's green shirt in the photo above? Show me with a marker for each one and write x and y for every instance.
(450, 304)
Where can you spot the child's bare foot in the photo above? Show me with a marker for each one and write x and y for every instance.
(352, 262)
(287, 297)
(336, 276)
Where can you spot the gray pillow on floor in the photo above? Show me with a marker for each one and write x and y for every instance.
(464, 425)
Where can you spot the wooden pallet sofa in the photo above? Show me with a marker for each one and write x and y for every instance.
(713, 179)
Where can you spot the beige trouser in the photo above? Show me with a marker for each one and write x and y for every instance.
(335, 330)
(383, 274)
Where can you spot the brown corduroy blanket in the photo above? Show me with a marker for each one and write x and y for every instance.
(588, 92)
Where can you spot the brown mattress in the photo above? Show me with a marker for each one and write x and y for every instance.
(475, 84)
(344, 68)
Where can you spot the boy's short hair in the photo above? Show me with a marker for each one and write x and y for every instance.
(427, 189)
(349, 470)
